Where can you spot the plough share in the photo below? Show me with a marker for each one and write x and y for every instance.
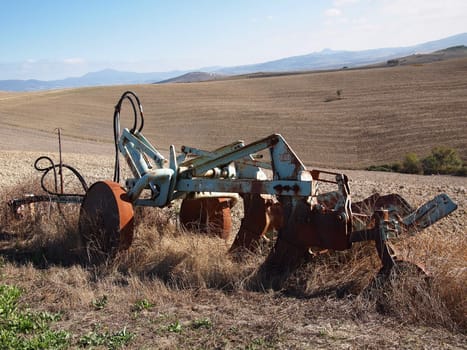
(278, 194)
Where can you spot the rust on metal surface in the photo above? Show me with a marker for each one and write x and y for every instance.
(312, 227)
(261, 214)
(288, 252)
(324, 230)
(208, 215)
(106, 219)
(392, 202)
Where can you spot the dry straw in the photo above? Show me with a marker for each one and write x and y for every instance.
(164, 257)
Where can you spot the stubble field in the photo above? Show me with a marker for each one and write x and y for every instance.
(383, 114)
(174, 290)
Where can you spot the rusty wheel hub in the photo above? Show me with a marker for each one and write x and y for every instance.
(106, 219)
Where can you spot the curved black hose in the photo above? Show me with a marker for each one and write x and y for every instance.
(116, 126)
(134, 100)
(130, 95)
(53, 168)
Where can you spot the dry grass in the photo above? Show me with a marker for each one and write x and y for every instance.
(191, 283)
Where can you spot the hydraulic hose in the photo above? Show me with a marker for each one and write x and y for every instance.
(134, 100)
(53, 167)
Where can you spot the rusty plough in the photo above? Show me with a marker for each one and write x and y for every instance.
(277, 190)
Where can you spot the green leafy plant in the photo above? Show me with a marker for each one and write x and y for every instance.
(259, 343)
(114, 340)
(395, 167)
(24, 329)
(175, 327)
(142, 304)
(442, 160)
(202, 323)
(100, 303)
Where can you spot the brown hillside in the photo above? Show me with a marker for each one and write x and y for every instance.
(381, 115)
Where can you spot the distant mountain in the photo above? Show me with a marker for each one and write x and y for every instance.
(103, 77)
(326, 59)
(330, 59)
(194, 77)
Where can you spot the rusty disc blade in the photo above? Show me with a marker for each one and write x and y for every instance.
(106, 219)
(392, 202)
(207, 215)
(255, 223)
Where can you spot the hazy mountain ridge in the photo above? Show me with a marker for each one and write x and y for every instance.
(325, 59)
(100, 78)
(330, 59)
(193, 77)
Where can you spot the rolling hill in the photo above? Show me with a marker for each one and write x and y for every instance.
(381, 114)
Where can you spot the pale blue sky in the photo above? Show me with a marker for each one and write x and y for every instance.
(47, 39)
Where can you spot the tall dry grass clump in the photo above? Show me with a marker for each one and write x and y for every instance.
(161, 249)
(43, 232)
(434, 298)
(186, 260)
(441, 299)
(168, 257)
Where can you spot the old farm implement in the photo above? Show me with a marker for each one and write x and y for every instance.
(277, 190)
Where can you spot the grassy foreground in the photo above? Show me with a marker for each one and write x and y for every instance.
(176, 289)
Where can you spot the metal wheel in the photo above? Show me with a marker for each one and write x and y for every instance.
(207, 215)
(106, 220)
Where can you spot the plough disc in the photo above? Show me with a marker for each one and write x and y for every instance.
(106, 220)
(392, 202)
(208, 215)
(261, 214)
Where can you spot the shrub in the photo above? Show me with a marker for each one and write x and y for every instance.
(335, 98)
(442, 160)
(462, 171)
(395, 167)
(411, 164)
